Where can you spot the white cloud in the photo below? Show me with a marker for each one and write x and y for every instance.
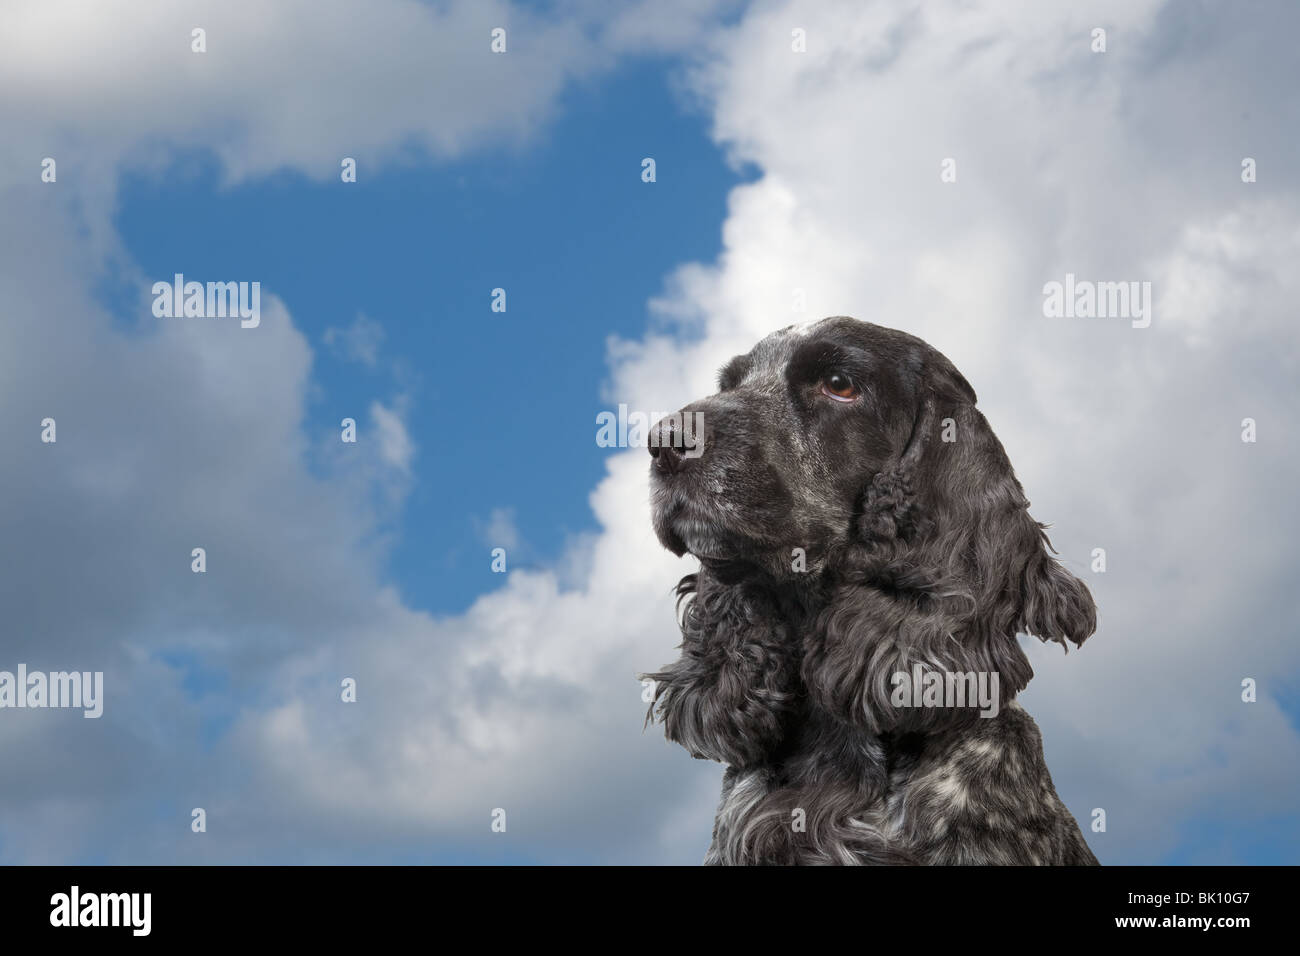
(395, 446)
(300, 84)
(295, 84)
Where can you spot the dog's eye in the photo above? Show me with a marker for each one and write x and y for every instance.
(840, 387)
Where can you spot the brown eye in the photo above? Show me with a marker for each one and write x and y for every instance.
(840, 387)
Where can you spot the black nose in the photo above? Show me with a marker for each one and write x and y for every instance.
(665, 443)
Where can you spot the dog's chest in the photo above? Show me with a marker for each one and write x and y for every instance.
(889, 806)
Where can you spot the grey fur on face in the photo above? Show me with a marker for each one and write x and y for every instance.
(855, 518)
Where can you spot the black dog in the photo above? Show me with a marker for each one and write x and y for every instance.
(866, 561)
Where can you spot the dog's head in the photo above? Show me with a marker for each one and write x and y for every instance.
(781, 457)
(854, 454)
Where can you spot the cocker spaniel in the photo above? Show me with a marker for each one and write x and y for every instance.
(849, 642)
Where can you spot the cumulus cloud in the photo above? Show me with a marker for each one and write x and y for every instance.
(223, 688)
(295, 85)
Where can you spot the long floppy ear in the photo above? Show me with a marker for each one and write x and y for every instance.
(948, 568)
(968, 518)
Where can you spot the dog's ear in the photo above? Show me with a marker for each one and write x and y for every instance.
(948, 568)
(966, 513)
(891, 508)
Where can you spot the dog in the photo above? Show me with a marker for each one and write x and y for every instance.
(865, 553)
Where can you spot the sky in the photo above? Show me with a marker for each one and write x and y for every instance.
(801, 156)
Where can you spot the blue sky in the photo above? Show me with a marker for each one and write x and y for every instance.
(503, 406)
(777, 171)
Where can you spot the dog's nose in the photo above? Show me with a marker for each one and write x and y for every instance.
(665, 442)
(667, 460)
